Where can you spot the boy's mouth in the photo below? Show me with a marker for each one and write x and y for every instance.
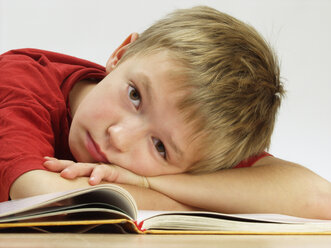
(94, 150)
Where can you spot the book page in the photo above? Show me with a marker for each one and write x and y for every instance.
(109, 195)
(146, 214)
(14, 206)
(277, 218)
(218, 222)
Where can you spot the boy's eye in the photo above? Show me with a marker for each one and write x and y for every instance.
(134, 96)
(159, 147)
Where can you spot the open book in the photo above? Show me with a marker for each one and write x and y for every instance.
(110, 208)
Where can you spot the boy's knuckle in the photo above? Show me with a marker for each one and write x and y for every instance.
(112, 174)
(103, 167)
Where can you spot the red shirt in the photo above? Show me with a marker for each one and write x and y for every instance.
(250, 161)
(34, 109)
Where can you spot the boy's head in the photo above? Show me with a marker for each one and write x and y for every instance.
(214, 90)
(232, 77)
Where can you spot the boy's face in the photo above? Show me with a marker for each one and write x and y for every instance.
(130, 119)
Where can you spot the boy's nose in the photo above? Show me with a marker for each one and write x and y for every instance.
(123, 135)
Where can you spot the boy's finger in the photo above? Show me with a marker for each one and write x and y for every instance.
(111, 174)
(61, 161)
(97, 175)
(77, 170)
(55, 165)
(49, 158)
(94, 180)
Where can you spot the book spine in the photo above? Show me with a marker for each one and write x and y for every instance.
(140, 226)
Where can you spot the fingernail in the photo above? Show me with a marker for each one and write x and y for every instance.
(91, 181)
(47, 162)
(49, 158)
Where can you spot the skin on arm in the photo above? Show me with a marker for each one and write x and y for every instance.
(38, 182)
(271, 186)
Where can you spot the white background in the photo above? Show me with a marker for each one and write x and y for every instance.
(299, 30)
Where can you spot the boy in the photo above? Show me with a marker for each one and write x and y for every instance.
(197, 92)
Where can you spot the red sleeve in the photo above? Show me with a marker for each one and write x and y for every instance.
(26, 135)
(250, 161)
(34, 122)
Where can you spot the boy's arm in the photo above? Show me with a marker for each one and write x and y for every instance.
(271, 185)
(38, 182)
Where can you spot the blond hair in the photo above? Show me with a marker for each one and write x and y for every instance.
(233, 77)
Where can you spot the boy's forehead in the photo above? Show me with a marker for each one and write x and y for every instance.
(159, 62)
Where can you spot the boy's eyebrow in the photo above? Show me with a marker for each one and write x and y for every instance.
(146, 83)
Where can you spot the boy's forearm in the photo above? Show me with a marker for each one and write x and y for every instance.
(42, 182)
(280, 187)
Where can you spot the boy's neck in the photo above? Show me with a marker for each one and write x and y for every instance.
(78, 92)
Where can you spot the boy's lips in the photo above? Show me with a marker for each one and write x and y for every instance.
(94, 150)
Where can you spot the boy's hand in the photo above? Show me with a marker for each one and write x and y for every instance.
(97, 172)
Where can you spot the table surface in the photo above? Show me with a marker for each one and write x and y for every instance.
(63, 240)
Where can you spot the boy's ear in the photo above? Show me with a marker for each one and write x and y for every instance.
(118, 53)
